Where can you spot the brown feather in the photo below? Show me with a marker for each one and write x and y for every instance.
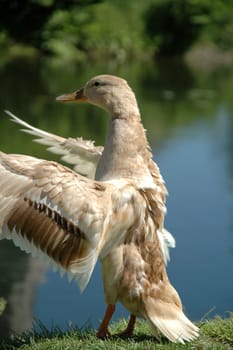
(53, 234)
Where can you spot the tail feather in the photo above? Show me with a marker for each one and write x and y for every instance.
(170, 320)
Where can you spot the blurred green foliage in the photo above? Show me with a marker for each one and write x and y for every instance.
(219, 26)
(173, 26)
(99, 31)
(81, 29)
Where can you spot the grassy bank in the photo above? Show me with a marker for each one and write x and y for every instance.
(216, 334)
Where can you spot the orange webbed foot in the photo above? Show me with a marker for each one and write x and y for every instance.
(103, 334)
(103, 331)
(128, 332)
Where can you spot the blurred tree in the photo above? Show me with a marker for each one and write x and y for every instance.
(105, 30)
(24, 20)
(173, 26)
(119, 30)
(220, 25)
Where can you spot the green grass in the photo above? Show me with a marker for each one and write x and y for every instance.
(216, 334)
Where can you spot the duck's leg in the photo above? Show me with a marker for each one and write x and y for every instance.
(128, 332)
(103, 331)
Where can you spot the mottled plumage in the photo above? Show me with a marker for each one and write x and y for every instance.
(118, 218)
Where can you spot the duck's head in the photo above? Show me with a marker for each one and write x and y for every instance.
(108, 92)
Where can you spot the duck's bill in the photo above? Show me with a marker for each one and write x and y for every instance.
(77, 96)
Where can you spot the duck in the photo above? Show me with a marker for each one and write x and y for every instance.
(110, 207)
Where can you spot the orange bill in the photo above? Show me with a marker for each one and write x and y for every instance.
(77, 96)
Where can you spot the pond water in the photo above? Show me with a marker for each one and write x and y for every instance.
(189, 117)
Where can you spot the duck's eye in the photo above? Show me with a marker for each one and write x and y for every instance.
(96, 83)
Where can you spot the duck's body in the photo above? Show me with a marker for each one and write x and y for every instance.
(117, 218)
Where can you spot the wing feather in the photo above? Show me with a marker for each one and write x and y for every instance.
(83, 154)
(52, 211)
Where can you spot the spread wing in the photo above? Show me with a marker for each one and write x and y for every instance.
(83, 154)
(58, 215)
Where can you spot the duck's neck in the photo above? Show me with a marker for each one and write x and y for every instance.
(126, 152)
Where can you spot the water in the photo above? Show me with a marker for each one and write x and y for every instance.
(189, 118)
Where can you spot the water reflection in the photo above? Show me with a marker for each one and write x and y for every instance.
(189, 118)
(20, 275)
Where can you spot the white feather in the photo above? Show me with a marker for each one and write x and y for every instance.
(166, 241)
